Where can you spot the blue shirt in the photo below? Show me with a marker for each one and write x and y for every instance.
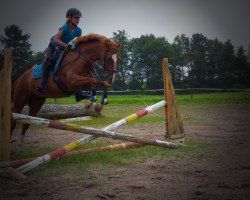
(67, 35)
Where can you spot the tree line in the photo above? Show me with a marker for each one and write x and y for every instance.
(195, 61)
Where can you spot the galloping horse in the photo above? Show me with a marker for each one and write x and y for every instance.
(75, 73)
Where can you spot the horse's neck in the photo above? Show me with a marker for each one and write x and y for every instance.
(73, 63)
(92, 50)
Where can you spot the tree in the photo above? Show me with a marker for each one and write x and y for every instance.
(242, 68)
(198, 60)
(214, 62)
(180, 62)
(38, 57)
(21, 49)
(123, 69)
(226, 70)
(146, 58)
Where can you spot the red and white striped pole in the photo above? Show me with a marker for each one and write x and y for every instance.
(61, 151)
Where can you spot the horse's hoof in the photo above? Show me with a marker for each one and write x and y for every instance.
(105, 101)
(88, 105)
(98, 107)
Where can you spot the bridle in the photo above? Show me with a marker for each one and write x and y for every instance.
(109, 72)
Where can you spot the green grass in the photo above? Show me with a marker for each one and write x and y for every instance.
(208, 98)
(120, 107)
(105, 160)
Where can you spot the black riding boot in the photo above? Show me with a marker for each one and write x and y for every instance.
(42, 86)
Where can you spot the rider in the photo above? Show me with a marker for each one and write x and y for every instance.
(60, 41)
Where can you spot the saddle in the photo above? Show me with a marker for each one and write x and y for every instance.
(37, 71)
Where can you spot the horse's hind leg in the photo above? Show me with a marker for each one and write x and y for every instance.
(35, 106)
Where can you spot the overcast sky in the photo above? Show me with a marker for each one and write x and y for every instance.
(224, 19)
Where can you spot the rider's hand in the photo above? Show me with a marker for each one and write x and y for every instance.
(71, 45)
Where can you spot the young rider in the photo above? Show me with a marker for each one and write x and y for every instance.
(60, 41)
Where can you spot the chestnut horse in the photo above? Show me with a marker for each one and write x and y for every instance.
(75, 72)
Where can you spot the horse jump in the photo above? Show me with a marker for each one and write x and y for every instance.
(105, 132)
(115, 125)
(80, 129)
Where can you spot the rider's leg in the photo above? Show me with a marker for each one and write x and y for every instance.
(46, 65)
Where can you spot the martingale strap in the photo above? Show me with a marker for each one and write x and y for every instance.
(61, 85)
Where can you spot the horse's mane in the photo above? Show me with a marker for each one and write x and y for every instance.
(93, 37)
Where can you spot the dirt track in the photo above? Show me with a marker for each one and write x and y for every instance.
(222, 172)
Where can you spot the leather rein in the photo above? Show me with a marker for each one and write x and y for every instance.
(93, 64)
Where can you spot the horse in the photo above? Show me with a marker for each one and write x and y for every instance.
(75, 73)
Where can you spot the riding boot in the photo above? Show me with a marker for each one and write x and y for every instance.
(42, 86)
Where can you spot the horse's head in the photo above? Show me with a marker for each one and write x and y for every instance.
(109, 59)
(106, 52)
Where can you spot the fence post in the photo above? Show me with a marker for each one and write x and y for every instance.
(5, 106)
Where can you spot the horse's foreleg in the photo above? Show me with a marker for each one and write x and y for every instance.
(34, 107)
(15, 109)
(89, 81)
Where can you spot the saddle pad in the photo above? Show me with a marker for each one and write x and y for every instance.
(37, 69)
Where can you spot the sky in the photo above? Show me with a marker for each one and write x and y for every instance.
(222, 19)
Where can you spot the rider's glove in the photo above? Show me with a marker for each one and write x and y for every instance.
(72, 43)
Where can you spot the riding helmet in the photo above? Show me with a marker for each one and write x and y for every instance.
(73, 12)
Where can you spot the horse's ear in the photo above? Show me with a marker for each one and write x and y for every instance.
(108, 43)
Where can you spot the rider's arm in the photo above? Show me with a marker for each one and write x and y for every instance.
(57, 40)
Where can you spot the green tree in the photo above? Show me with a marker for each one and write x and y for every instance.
(198, 60)
(38, 57)
(214, 62)
(242, 69)
(21, 49)
(123, 69)
(146, 58)
(181, 48)
(226, 71)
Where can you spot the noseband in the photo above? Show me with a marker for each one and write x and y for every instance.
(103, 69)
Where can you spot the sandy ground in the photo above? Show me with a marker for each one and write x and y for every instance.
(219, 173)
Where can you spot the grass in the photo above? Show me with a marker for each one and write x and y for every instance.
(105, 160)
(120, 107)
(208, 98)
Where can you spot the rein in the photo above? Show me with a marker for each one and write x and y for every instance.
(94, 64)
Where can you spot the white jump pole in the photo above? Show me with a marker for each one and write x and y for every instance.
(61, 151)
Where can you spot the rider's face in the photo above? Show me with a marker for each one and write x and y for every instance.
(75, 20)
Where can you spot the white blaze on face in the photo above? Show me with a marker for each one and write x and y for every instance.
(114, 57)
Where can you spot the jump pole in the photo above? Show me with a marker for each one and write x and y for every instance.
(88, 130)
(81, 129)
(127, 145)
(112, 126)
